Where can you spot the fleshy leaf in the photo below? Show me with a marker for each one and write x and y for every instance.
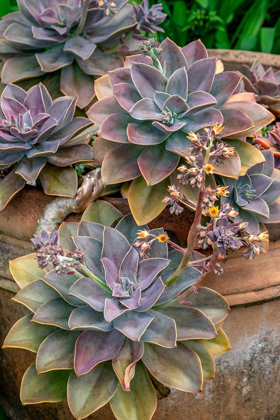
(207, 362)
(47, 387)
(90, 392)
(87, 318)
(59, 181)
(161, 331)
(179, 368)
(101, 212)
(26, 335)
(25, 270)
(66, 231)
(34, 294)
(54, 312)
(57, 351)
(218, 345)
(249, 155)
(138, 404)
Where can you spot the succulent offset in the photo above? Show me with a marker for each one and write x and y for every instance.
(73, 40)
(272, 142)
(265, 84)
(256, 195)
(40, 138)
(147, 108)
(117, 333)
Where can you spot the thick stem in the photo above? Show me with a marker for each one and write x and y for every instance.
(57, 210)
(82, 22)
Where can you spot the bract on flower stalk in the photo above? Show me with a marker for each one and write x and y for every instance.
(41, 138)
(114, 343)
(72, 41)
(147, 109)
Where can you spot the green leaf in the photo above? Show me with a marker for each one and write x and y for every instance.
(267, 37)
(178, 368)
(202, 3)
(207, 362)
(218, 345)
(249, 155)
(47, 387)
(101, 212)
(34, 294)
(54, 312)
(27, 335)
(57, 351)
(138, 404)
(9, 186)
(25, 270)
(180, 12)
(62, 182)
(211, 304)
(146, 202)
(91, 391)
(65, 233)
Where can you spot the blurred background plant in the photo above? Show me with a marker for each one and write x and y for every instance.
(252, 25)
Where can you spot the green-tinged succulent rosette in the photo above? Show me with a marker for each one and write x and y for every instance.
(118, 332)
(147, 108)
(256, 195)
(71, 41)
(40, 138)
(265, 84)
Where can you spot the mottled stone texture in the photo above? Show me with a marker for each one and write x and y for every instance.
(246, 386)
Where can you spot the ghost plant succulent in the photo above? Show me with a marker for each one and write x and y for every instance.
(147, 108)
(271, 141)
(40, 138)
(104, 324)
(256, 195)
(265, 84)
(71, 39)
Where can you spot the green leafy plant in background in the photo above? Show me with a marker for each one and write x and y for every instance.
(233, 24)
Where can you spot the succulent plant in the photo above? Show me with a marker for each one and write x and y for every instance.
(73, 38)
(255, 196)
(271, 142)
(147, 108)
(110, 330)
(265, 84)
(40, 137)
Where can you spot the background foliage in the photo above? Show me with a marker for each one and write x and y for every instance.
(252, 25)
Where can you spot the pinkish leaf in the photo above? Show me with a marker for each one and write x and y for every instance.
(201, 75)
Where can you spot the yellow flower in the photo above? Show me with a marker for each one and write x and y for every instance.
(264, 236)
(143, 234)
(222, 191)
(162, 238)
(209, 168)
(193, 137)
(217, 128)
(214, 211)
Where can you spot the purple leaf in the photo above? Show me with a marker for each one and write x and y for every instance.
(93, 250)
(156, 163)
(89, 292)
(111, 272)
(29, 169)
(74, 82)
(118, 253)
(224, 86)
(103, 109)
(129, 265)
(144, 133)
(151, 295)
(178, 83)
(86, 318)
(120, 76)
(126, 95)
(149, 269)
(113, 309)
(172, 57)
(204, 118)
(115, 126)
(178, 143)
(194, 51)
(161, 331)
(133, 324)
(79, 46)
(147, 80)
(94, 347)
(198, 101)
(133, 302)
(201, 75)
(175, 104)
(235, 122)
(146, 109)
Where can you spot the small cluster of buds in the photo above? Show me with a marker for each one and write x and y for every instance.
(254, 247)
(175, 198)
(210, 196)
(193, 175)
(109, 6)
(149, 47)
(168, 117)
(220, 152)
(55, 256)
(149, 239)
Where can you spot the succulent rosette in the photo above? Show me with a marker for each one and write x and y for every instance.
(40, 138)
(265, 84)
(255, 196)
(117, 333)
(71, 40)
(272, 142)
(147, 108)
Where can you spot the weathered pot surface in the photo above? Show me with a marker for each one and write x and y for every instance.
(247, 379)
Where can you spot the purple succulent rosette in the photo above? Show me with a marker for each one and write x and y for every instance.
(265, 84)
(117, 333)
(38, 138)
(148, 108)
(255, 196)
(147, 18)
(70, 39)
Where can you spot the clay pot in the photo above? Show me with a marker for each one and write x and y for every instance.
(247, 379)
